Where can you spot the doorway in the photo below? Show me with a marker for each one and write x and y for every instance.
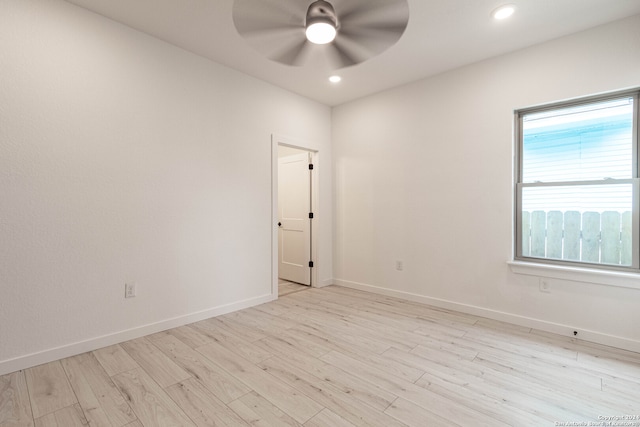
(294, 200)
(294, 215)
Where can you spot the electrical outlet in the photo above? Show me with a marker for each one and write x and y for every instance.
(129, 290)
(399, 265)
(544, 285)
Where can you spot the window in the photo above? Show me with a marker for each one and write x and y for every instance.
(577, 186)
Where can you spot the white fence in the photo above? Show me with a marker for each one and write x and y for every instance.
(603, 238)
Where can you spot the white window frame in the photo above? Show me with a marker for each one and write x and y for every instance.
(528, 264)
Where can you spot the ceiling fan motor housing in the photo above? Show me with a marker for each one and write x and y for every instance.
(321, 11)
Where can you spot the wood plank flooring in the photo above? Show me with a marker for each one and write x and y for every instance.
(285, 287)
(332, 357)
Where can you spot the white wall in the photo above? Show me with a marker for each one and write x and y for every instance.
(124, 159)
(423, 174)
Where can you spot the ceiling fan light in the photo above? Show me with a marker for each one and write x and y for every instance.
(321, 32)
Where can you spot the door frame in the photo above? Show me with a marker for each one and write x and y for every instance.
(277, 140)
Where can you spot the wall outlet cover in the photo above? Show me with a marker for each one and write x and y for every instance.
(129, 290)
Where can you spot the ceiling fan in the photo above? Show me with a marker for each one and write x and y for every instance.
(341, 33)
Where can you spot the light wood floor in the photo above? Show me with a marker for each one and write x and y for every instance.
(331, 357)
(285, 287)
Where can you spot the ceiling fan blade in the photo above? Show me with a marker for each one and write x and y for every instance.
(389, 28)
(375, 38)
(369, 27)
(259, 15)
(273, 34)
(295, 55)
(274, 28)
(345, 8)
(283, 45)
(363, 11)
(343, 54)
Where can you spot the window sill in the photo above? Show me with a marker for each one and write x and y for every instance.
(576, 274)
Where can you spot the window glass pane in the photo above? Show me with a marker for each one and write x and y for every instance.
(586, 142)
(597, 198)
(587, 223)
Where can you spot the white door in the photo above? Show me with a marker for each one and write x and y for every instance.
(294, 225)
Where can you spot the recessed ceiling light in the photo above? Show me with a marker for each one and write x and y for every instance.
(503, 12)
(335, 79)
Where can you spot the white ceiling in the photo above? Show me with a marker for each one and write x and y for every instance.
(441, 35)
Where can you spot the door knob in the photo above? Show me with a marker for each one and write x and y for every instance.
(279, 224)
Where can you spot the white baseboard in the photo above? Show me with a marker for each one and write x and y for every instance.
(528, 322)
(323, 283)
(34, 359)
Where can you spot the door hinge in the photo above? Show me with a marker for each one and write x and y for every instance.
(311, 264)
(310, 215)
(310, 166)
